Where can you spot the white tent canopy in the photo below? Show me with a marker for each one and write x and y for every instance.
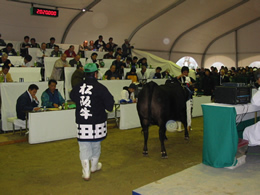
(207, 30)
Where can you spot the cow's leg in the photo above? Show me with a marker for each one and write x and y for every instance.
(162, 138)
(146, 134)
(186, 133)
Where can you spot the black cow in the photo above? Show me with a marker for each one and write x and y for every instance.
(158, 104)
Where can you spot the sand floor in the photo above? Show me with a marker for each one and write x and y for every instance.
(55, 168)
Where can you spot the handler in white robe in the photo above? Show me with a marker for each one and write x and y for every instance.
(252, 133)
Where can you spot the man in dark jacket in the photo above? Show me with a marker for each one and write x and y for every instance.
(92, 100)
(27, 102)
(78, 76)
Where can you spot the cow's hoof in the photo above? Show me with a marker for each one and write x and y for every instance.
(186, 138)
(164, 155)
(145, 153)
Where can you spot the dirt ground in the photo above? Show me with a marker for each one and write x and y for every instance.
(55, 168)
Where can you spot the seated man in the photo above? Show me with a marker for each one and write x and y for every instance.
(111, 73)
(76, 61)
(58, 68)
(118, 63)
(99, 43)
(70, 52)
(128, 95)
(128, 62)
(109, 55)
(142, 62)
(93, 58)
(156, 74)
(134, 62)
(9, 50)
(56, 52)
(118, 52)
(51, 44)
(4, 60)
(78, 76)
(82, 48)
(27, 102)
(24, 46)
(26, 61)
(51, 97)
(34, 44)
(252, 133)
(41, 54)
(142, 74)
(5, 76)
(166, 74)
(132, 75)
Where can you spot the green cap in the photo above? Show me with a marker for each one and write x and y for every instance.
(90, 67)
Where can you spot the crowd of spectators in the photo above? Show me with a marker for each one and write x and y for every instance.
(208, 79)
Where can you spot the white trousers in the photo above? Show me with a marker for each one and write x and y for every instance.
(252, 134)
(20, 123)
(89, 150)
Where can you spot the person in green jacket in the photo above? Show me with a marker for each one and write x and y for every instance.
(51, 97)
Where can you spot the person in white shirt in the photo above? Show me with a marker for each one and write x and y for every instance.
(252, 133)
(41, 54)
(26, 61)
(142, 74)
(128, 95)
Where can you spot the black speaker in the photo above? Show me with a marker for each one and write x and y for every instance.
(232, 95)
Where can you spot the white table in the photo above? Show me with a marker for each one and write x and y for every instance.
(223, 125)
(128, 116)
(16, 60)
(197, 101)
(51, 126)
(27, 73)
(108, 63)
(10, 93)
(33, 53)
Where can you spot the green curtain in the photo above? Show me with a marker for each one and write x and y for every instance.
(220, 137)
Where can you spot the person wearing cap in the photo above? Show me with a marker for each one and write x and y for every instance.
(252, 133)
(78, 76)
(92, 99)
(58, 68)
(128, 95)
